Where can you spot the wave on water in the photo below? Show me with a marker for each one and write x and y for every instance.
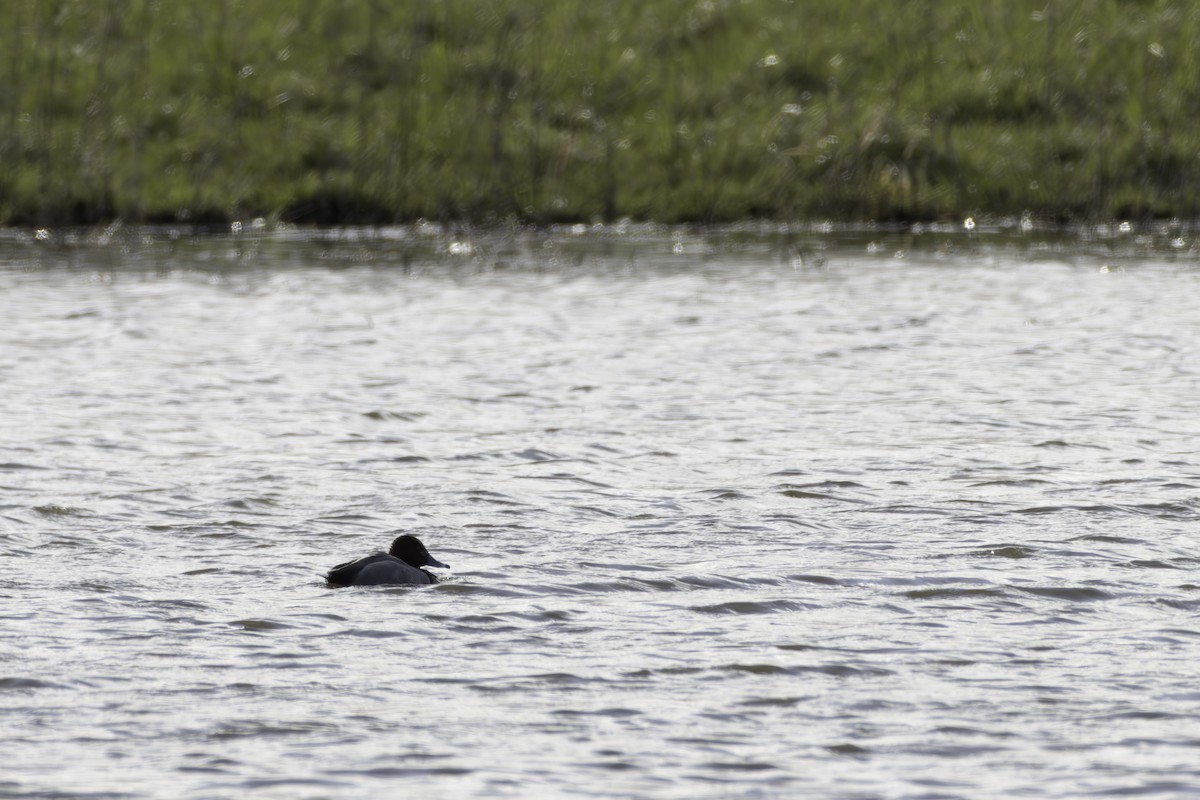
(916, 522)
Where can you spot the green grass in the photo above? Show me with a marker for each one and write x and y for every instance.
(673, 110)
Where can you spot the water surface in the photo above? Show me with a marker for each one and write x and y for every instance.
(845, 515)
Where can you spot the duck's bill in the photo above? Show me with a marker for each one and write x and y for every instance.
(433, 562)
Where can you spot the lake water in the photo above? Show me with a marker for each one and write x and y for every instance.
(822, 513)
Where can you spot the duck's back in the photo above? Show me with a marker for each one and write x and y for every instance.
(377, 570)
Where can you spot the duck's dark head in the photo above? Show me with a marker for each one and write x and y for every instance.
(409, 549)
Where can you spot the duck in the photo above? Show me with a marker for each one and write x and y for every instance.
(402, 564)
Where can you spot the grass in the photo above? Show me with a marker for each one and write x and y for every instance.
(671, 110)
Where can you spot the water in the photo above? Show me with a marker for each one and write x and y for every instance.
(728, 516)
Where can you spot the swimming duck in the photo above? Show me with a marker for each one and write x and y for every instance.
(400, 565)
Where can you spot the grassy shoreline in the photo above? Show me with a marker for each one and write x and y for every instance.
(341, 112)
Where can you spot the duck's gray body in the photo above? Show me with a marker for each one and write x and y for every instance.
(375, 570)
(402, 565)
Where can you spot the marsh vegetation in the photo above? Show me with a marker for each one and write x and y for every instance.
(671, 110)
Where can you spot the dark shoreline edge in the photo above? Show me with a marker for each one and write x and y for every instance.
(1180, 233)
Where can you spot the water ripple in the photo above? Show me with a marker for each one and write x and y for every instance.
(720, 527)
